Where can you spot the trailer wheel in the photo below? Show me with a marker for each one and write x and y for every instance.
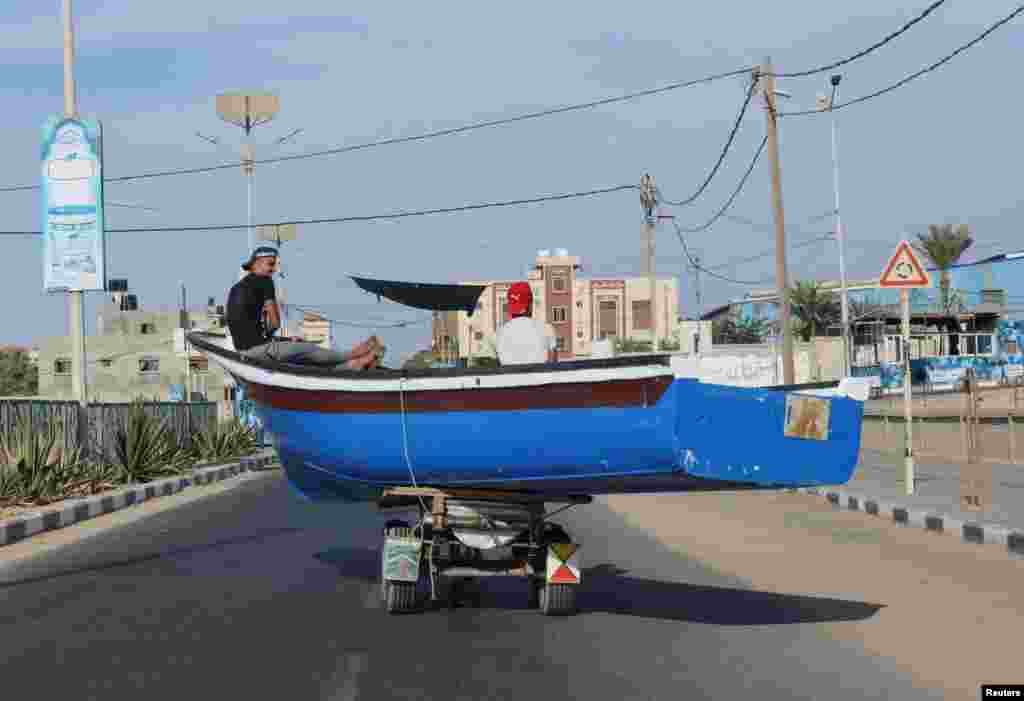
(535, 587)
(558, 599)
(396, 596)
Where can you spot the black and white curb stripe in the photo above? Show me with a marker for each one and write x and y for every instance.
(73, 511)
(969, 531)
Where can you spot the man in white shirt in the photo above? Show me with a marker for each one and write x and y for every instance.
(524, 339)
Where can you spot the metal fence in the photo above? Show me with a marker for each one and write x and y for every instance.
(975, 426)
(95, 426)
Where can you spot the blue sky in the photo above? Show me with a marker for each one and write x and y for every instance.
(942, 149)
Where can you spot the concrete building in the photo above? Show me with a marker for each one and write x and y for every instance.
(581, 310)
(136, 353)
(316, 329)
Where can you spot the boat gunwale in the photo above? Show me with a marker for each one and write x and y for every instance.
(198, 339)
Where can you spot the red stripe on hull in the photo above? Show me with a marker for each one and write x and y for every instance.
(582, 395)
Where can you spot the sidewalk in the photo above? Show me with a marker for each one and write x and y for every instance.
(878, 488)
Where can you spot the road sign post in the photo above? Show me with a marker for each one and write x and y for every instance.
(903, 272)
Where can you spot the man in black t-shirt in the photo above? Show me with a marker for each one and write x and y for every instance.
(253, 317)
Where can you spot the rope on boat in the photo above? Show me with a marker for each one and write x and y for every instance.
(412, 474)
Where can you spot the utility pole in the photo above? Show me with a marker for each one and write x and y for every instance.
(840, 234)
(76, 300)
(649, 203)
(781, 278)
(183, 319)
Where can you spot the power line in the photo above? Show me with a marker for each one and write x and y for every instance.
(861, 54)
(697, 266)
(419, 137)
(916, 75)
(728, 203)
(761, 227)
(360, 325)
(365, 217)
(765, 254)
(721, 157)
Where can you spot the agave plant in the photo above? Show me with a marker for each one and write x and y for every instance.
(37, 466)
(146, 448)
(224, 440)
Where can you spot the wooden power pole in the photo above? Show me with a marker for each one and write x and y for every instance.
(781, 278)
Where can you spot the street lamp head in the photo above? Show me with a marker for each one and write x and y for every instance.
(835, 80)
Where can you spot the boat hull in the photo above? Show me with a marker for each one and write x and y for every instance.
(695, 437)
(621, 425)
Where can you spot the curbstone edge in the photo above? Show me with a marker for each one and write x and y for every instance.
(77, 509)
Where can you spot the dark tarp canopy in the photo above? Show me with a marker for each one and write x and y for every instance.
(425, 295)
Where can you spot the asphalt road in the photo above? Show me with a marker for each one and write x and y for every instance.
(252, 594)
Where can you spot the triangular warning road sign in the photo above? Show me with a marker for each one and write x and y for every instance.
(904, 269)
(563, 575)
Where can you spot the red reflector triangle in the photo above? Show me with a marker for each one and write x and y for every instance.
(563, 575)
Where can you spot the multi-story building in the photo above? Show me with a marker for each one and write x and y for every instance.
(581, 310)
(316, 329)
(135, 353)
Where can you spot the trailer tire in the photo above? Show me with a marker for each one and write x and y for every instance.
(394, 529)
(558, 600)
(399, 597)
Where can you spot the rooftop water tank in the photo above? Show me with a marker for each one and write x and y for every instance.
(562, 252)
(543, 253)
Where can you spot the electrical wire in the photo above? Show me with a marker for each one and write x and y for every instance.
(912, 76)
(697, 266)
(366, 217)
(721, 157)
(361, 325)
(766, 254)
(728, 203)
(861, 54)
(420, 137)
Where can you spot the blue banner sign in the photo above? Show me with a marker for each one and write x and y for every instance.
(74, 245)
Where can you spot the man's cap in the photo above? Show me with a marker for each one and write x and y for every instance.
(259, 252)
(520, 298)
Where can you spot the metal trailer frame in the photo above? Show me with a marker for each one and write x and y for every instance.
(534, 548)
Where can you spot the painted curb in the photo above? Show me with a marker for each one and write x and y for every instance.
(72, 511)
(968, 531)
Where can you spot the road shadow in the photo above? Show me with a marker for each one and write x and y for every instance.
(605, 589)
(216, 545)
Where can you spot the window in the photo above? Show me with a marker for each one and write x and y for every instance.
(608, 319)
(560, 343)
(200, 365)
(579, 334)
(106, 362)
(147, 328)
(62, 366)
(504, 309)
(579, 305)
(479, 335)
(1011, 347)
(559, 283)
(642, 314)
(149, 365)
(559, 315)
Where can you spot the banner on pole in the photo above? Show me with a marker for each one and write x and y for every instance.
(73, 236)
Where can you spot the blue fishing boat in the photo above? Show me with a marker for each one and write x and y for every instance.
(492, 445)
(603, 426)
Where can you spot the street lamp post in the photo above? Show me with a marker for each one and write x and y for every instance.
(248, 111)
(828, 103)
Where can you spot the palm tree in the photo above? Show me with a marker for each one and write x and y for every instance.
(944, 245)
(812, 306)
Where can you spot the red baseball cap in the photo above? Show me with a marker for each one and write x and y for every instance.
(520, 298)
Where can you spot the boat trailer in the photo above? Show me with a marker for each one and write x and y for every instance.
(465, 534)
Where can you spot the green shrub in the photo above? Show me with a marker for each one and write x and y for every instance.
(222, 441)
(37, 467)
(146, 448)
